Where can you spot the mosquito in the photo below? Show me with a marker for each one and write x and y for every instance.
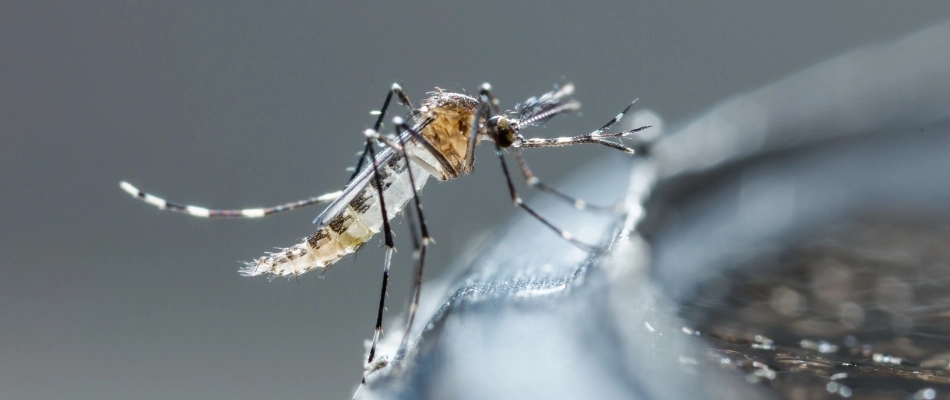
(436, 139)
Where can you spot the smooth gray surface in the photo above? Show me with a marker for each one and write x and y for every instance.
(231, 105)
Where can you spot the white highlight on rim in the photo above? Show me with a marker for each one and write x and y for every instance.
(253, 212)
(129, 188)
(541, 291)
(198, 211)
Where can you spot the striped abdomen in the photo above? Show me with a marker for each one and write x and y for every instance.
(350, 221)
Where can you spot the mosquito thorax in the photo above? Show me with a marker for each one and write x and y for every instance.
(501, 131)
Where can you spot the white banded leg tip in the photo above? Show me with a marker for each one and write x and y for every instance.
(129, 188)
(370, 133)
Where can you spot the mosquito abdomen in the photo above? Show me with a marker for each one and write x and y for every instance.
(345, 231)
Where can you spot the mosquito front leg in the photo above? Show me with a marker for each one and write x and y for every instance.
(595, 137)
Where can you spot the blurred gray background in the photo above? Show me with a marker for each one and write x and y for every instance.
(226, 105)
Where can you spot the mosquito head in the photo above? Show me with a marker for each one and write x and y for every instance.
(501, 131)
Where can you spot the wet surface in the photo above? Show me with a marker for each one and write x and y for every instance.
(857, 311)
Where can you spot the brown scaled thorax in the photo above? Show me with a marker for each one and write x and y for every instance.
(452, 116)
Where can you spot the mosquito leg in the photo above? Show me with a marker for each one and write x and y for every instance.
(533, 181)
(419, 257)
(515, 198)
(210, 213)
(485, 91)
(520, 203)
(419, 243)
(387, 229)
(404, 100)
(600, 138)
(390, 247)
(487, 102)
(595, 137)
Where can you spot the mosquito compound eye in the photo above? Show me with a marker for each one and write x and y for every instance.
(504, 135)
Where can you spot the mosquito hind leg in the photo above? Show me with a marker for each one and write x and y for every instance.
(202, 212)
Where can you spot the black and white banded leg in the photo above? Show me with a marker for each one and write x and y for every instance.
(420, 243)
(390, 247)
(595, 137)
(403, 99)
(211, 213)
(371, 137)
(266, 211)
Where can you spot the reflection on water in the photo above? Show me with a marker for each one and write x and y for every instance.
(856, 312)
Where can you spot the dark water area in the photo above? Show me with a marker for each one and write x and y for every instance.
(856, 311)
